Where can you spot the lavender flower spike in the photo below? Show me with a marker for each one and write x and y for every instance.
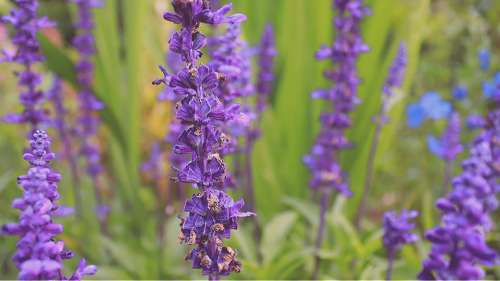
(327, 174)
(394, 80)
(459, 247)
(39, 256)
(211, 214)
(448, 147)
(397, 232)
(26, 23)
(88, 120)
(267, 52)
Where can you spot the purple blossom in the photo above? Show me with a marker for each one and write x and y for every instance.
(266, 52)
(459, 245)
(88, 120)
(348, 45)
(39, 255)
(397, 70)
(26, 23)
(449, 146)
(475, 121)
(203, 114)
(397, 230)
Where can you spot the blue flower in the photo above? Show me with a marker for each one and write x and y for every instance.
(435, 145)
(484, 59)
(434, 106)
(488, 89)
(459, 92)
(416, 115)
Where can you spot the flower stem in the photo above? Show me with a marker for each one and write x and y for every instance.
(321, 229)
(390, 263)
(369, 175)
(447, 176)
(213, 277)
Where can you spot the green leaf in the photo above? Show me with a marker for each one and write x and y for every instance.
(274, 235)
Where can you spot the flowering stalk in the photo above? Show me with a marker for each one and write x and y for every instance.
(459, 245)
(26, 23)
(211, 213)
(322, 160)
(54, 95)
(39, 256)
(397, 232)
(394, 80)
(88, 119)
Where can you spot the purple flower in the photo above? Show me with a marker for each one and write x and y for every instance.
(39, 255)
(88, 119)
(459, 242)
(26, 23)
(397, 230)
(266, 52)
(396, 73)
(202, 113)
(448, 147)
(344, 52)
(475, 121)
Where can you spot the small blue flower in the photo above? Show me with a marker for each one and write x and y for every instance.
(488, 89)
(435, 145)
(434, 106)
(459, 92)
(484, 59)
(415, 114)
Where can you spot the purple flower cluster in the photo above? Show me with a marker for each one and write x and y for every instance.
(266, 54)
(449, 146)
(348, 45)
(39, 255)
(26, 23)
(211, 213)
(88, 119)
(394, 79)
(459, 245)
(397, 230)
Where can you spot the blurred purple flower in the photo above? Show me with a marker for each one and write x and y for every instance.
(26, 23)
(397, 230)
(449, 146)
(434, 106)
(267, 53)
(475, 121)
(39, 256)
(88, 120)
(348, 45)
(459, 242)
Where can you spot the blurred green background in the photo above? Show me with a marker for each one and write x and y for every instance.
(443, 38)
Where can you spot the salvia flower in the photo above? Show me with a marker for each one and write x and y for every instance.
(459, 247)
(88, 119)
(449, 146)
(396, 71)
(475, 121)
(459, 92)
(484, 58)
(39, 256)
(211, 214)
(344, 53)
(26, 23)
(266, 55)
(397, 230)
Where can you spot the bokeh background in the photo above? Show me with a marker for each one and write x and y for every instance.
(443, 39)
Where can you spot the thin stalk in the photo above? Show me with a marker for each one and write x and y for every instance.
(369, 175)
(249, 188)
(321, 231)
(213, 277)
(75, 176)
(390, 263)
(103, 225)
(447, 176)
